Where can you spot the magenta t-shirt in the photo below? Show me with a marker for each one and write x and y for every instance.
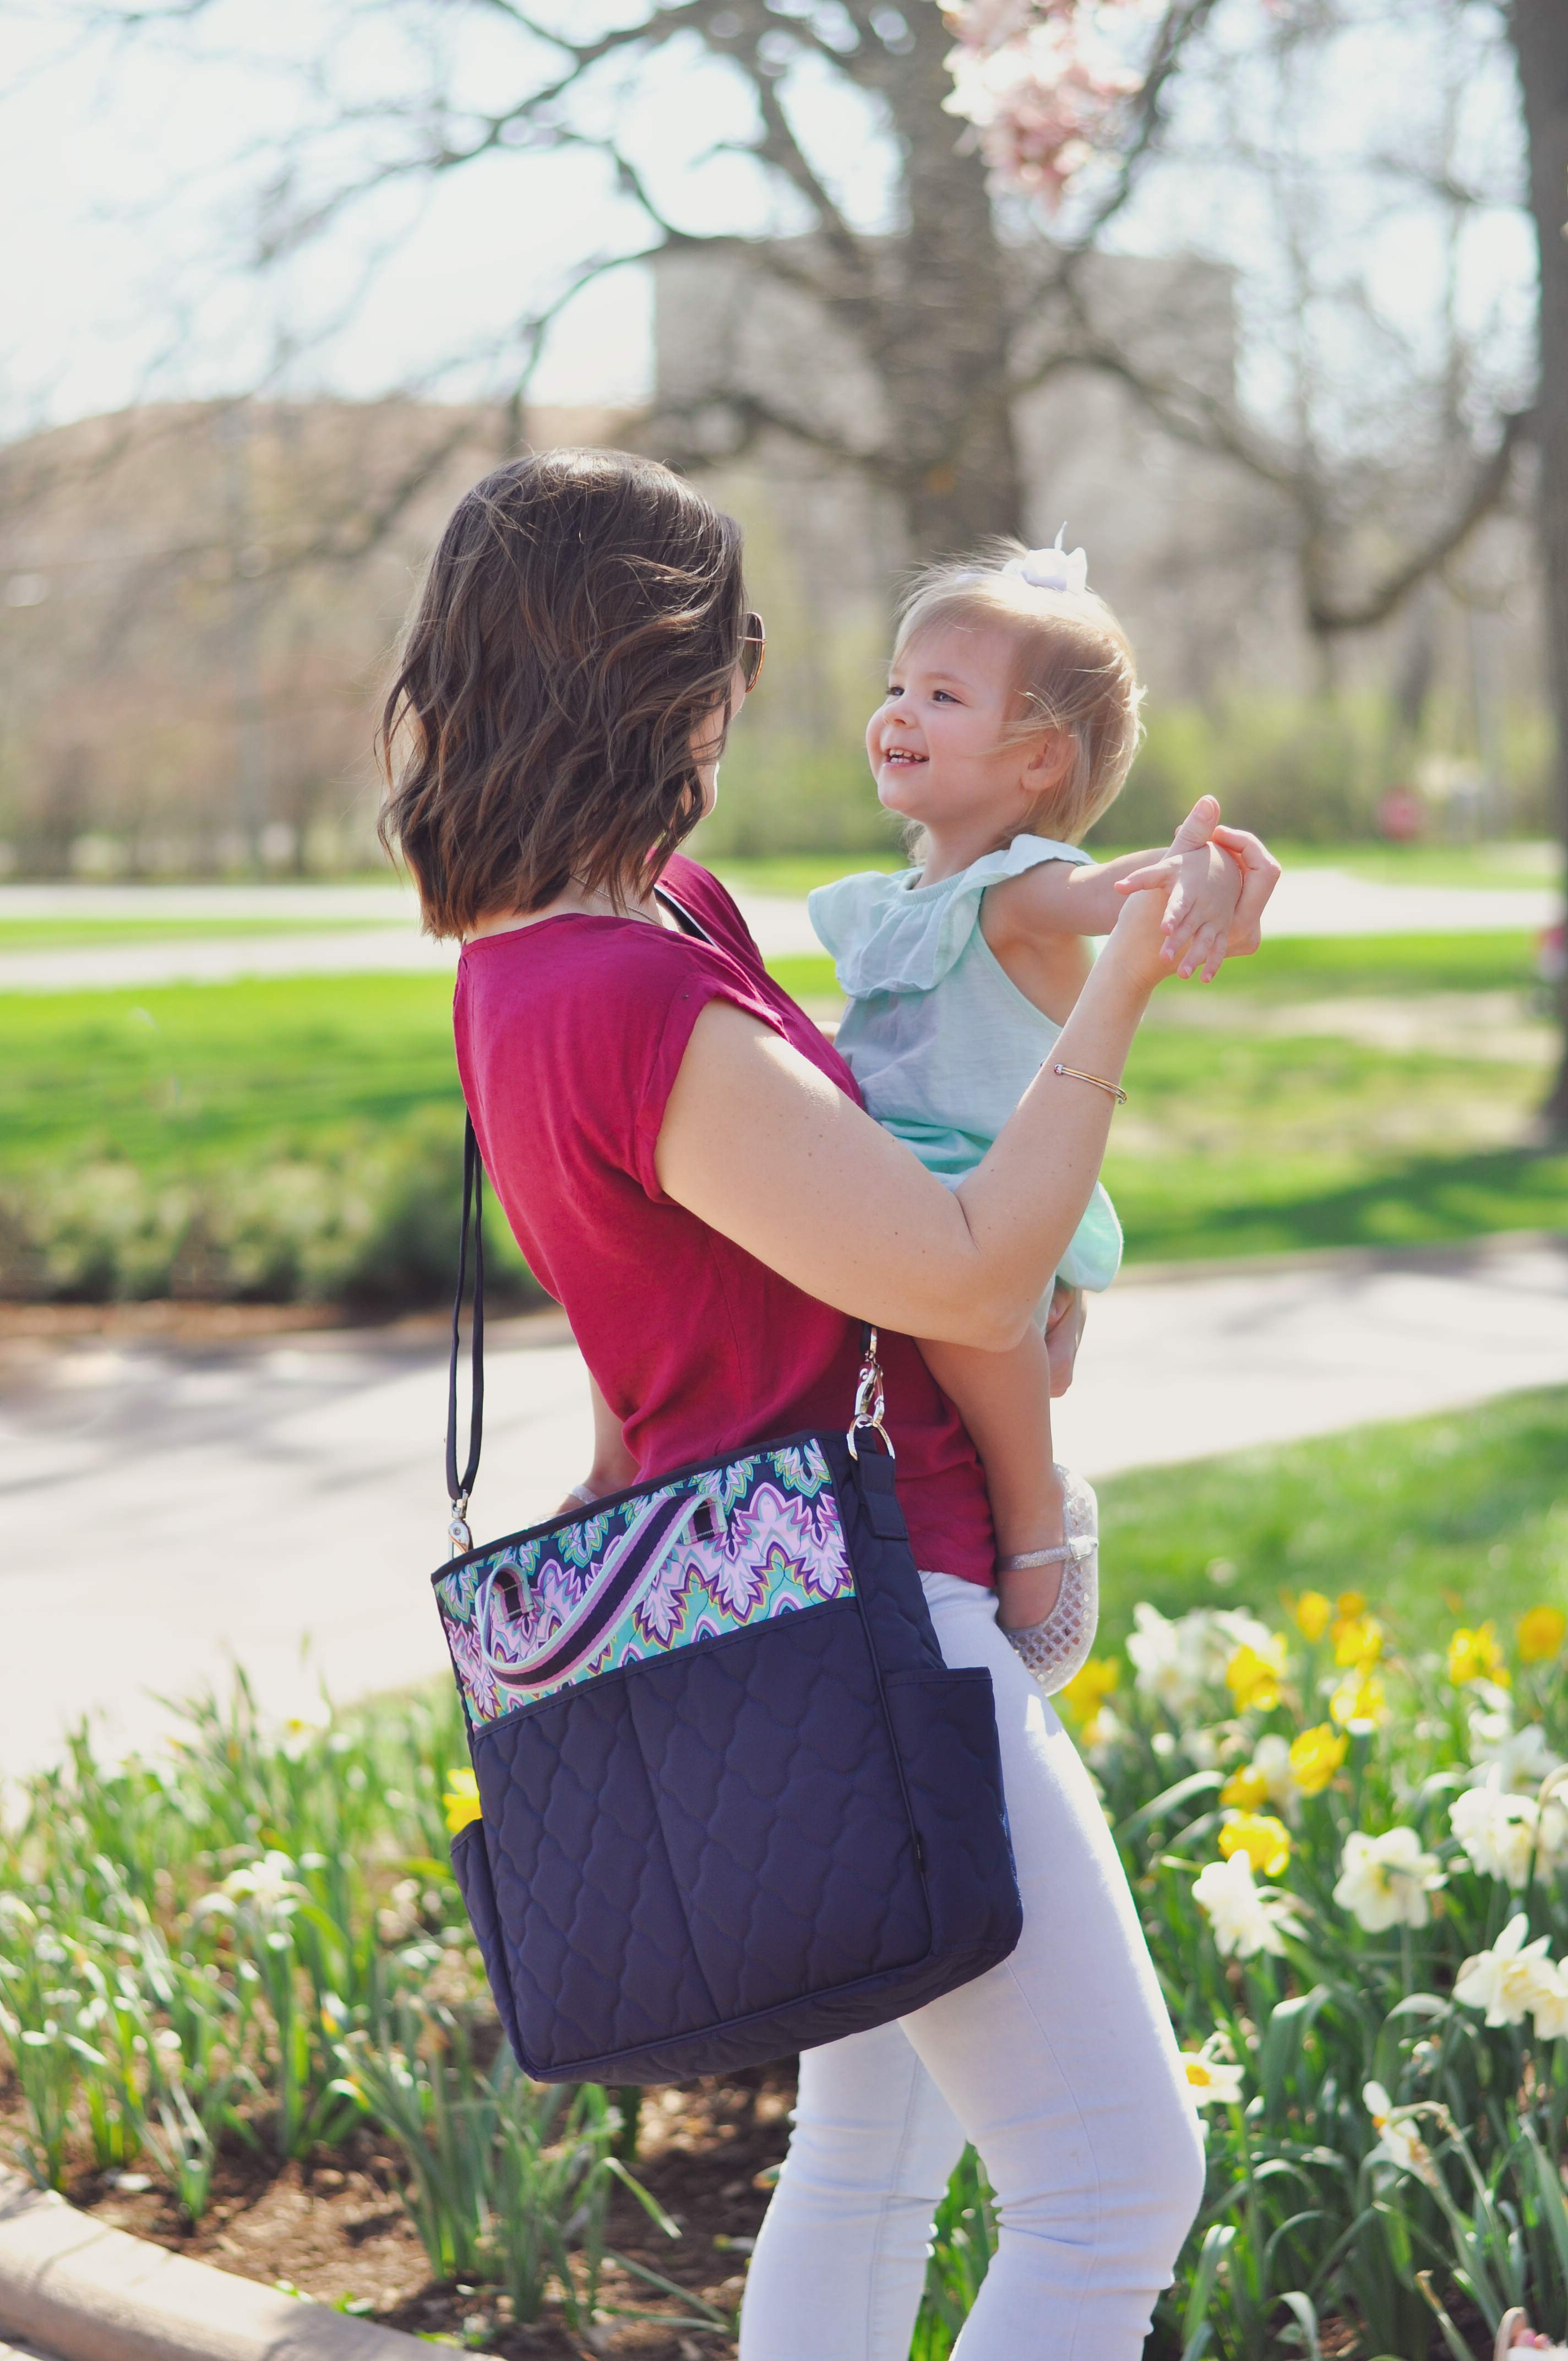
(570, 1034)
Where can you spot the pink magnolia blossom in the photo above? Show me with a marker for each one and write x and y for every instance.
(1029, 76)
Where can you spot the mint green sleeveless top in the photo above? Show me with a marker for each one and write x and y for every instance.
(937, 1036)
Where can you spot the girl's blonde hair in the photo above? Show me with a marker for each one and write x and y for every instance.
(1072, 671)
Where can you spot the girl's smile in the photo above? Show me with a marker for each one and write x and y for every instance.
(944, 745)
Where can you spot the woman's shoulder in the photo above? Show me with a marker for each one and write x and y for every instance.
(589, 987)
(712, 905)
(888, 931)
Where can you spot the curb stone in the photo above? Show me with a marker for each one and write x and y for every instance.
(89, 2294)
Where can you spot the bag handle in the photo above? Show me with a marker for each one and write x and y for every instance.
(867, 1419)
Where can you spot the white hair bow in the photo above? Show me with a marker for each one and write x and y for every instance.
(1052, 569)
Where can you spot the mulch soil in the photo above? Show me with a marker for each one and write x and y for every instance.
(331, 2227)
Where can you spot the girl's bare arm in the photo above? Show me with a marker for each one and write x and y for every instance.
(764, 1148)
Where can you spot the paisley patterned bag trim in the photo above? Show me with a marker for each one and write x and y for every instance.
(704, 1556)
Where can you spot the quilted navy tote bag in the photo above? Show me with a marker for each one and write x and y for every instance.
(733, 1803)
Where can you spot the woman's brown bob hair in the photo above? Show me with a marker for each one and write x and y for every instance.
(580, 624)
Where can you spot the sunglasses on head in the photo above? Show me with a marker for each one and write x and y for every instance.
(753, 648)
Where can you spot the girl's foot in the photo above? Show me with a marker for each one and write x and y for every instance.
(1058, 1647)
(1515, 2335)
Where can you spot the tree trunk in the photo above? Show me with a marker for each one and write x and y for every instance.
(1540, 31)
(940, 339)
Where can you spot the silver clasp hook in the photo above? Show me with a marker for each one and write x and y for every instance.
(457, 1533)
(870, 1403)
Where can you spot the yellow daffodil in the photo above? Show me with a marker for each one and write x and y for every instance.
(1315, 1756)
(1350, 1602)
(1265, 1841)
(1245, 1788)
(1476, 1657)
(1311, 1614)
(1541, 1632)
(1252, 1674)
(1359, 1697)
(1358, 1639)
(1089, 1687)
(461, 1800)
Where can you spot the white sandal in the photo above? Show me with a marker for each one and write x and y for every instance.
(1057, 1648)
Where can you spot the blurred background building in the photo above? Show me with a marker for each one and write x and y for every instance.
(200, 601)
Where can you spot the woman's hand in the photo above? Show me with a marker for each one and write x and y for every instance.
(614, 1468)
(1064, 1334)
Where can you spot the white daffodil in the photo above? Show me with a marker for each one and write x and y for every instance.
(1550, 2007)
(1244, 1916)
(1386, 1881)
(1271, 1760)
(1233, 1628)
(1509, 1980)
(1551, 1829)
(1212, 2075)
(1175, 1661)
(269, 1885)
(1516, 1760)
(1399, 2142)
(1498, 1830)
(1168, 1659)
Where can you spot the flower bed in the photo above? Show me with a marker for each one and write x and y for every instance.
(244, 2014)
(1348, 1858)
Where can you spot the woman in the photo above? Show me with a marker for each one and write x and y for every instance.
(685, 1162)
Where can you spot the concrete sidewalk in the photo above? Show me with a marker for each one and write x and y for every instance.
(170, 1509)
(1306, 902)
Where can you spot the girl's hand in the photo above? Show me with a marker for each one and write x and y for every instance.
(1064, 1334)
(1260, 875)
(1204, 890)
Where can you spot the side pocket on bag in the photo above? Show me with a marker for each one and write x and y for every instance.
(471, 1867)
(945, 1723)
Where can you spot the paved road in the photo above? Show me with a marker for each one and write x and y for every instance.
(166, 1510)
(1307, 902)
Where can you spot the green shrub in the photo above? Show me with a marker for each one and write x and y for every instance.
(372, 1227)
(1310, 772)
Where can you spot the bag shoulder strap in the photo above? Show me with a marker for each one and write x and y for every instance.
(459, 1486)
(867, 1419)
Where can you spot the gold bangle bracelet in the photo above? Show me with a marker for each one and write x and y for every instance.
(1077, 1074)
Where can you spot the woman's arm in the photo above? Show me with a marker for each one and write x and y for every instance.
(764, 1148)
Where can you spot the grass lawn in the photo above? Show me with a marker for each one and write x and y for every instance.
(1521, 863)
(1241, 1141)
(91, 934)
(1304, 967)
(1437, 1521)
(188, 1075)
(1235, 1140)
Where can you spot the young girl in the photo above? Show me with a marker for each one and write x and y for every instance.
(1009, 727)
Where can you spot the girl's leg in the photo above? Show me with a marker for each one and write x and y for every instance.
(841, 2262)
(1004, 1401)
(1060, 2064)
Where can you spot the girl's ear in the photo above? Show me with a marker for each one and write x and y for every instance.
(1047, 762)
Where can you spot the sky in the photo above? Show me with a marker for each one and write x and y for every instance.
(129, 172)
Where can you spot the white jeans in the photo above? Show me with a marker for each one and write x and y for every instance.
(1059, 2065)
